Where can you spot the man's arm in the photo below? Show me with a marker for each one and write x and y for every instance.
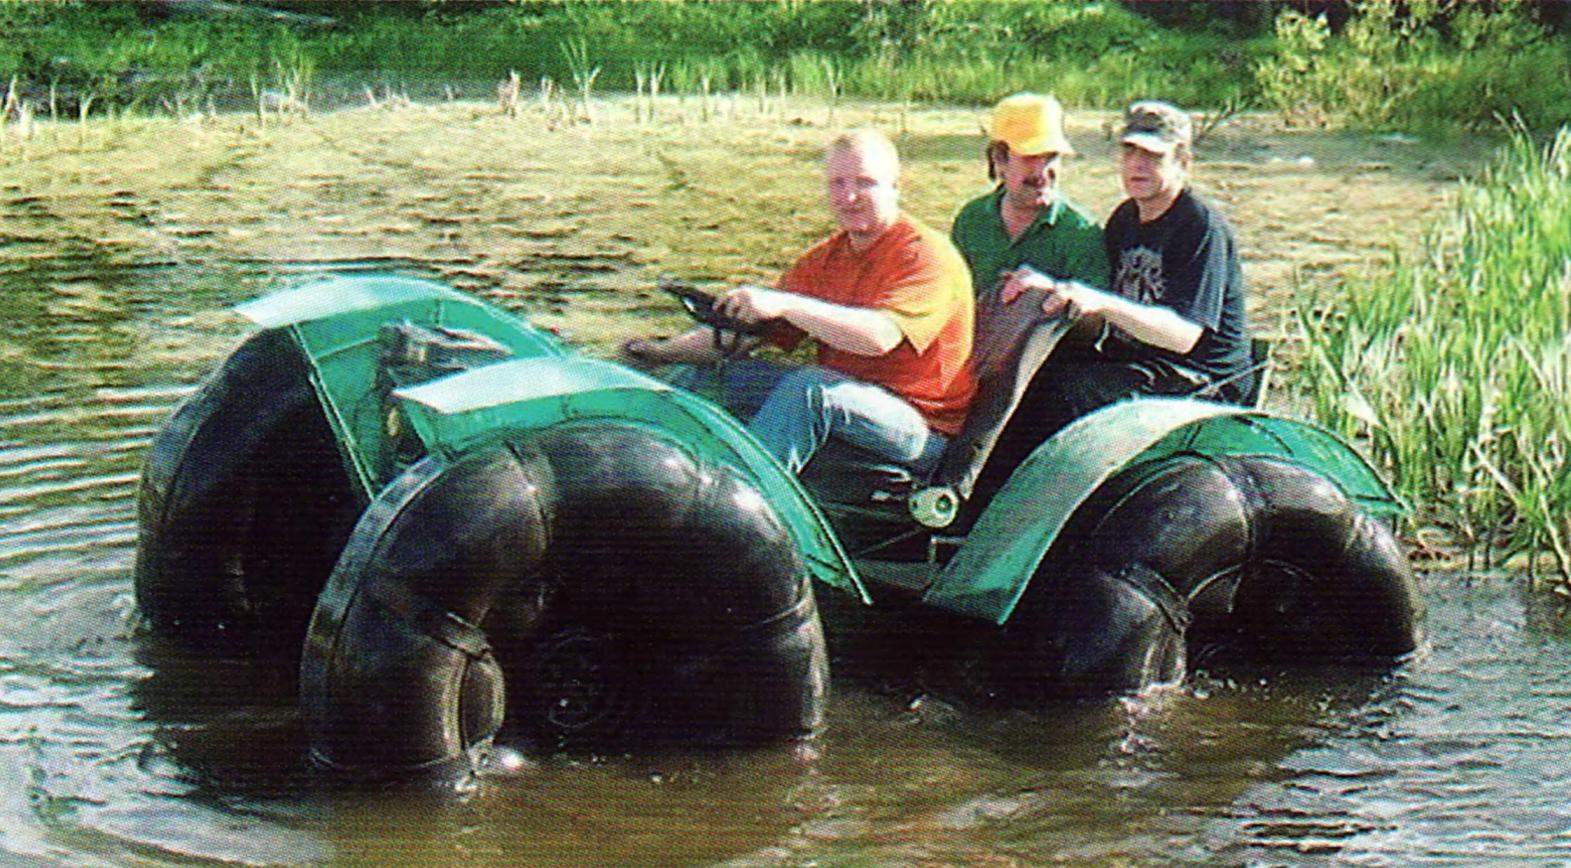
(863, 331)
(1152, 324)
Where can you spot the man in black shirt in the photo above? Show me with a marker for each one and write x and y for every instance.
(1172, 322)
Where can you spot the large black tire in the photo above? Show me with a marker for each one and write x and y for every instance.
(583, 585)
(243, 509)
(1258, 555)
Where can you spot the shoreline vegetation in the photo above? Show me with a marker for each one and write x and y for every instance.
(1415, 65)
(1454, 363)
(1448, 356)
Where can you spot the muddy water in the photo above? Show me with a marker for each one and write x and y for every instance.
(116, 749)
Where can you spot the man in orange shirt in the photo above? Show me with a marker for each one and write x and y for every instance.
(888, 301)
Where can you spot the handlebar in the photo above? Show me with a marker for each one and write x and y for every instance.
(700, 305)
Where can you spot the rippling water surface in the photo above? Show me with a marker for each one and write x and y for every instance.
(115, 748)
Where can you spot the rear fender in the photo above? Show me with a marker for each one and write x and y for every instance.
(459, 412)
(989, 574)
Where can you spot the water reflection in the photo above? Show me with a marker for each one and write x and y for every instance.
(1458, 761)
(232, 726)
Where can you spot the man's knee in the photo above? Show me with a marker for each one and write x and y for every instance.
(1097, 384)
(806, 386)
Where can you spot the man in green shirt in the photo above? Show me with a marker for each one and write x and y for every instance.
(1025, 221)
(1021, 240)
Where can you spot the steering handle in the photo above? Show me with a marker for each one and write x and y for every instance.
(700, 305)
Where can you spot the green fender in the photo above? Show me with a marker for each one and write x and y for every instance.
(989, 574)
(458, 412)
(336, 325)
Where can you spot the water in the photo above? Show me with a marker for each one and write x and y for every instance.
(116, 748)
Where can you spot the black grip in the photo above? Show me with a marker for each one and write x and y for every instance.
(700, 305)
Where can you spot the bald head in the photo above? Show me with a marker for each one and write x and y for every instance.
(876, 149)
(862, 169)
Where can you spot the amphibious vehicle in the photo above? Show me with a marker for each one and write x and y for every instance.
(460, 526)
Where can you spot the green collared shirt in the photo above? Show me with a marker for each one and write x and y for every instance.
(1063, 242)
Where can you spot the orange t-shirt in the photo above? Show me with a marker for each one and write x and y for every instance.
(917, 277)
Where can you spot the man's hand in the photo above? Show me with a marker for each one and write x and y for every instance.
(1014, 284)
(644, 351)
(1148, 323)
(1059, 297)
(864, 331)
(751, 305)
(1075, 300)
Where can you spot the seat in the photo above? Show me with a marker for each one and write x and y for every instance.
(1001, 383)
(853, 484)
(1260, 364)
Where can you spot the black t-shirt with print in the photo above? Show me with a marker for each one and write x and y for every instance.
(1186, 260)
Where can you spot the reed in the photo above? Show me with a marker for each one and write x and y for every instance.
(584, 71)
(83, 107)
(507, 94)
(1455, 366)
(549, 104)
(648, 78)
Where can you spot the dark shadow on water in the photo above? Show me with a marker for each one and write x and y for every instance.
(234, 729)
(919, 656)
(232, 725)
(1546, 611)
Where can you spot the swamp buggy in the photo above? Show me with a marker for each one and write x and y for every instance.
(460, 527)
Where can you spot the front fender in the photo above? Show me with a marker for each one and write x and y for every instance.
(461, 411)
(989, 574)
(334, 324)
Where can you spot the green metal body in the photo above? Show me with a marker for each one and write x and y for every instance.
(336, 324)
(988, 575)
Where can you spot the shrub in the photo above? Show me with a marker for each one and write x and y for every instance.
(1419, 63)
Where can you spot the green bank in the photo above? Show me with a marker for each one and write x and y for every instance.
(1368, 63)
(1455, 361)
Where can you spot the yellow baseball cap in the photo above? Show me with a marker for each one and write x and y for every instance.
(1030, 124)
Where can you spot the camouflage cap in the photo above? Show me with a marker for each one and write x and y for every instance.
(1156, 126)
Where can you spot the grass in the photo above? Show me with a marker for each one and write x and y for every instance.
(1455, 363)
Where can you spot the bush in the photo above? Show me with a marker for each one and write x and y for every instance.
(1418, 64)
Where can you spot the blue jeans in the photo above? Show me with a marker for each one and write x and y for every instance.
(794, 410)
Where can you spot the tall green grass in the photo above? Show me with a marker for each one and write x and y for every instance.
(1456, 365)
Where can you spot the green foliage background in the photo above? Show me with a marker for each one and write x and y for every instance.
(1372, 63)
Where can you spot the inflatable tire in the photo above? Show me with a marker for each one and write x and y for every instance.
(1256, 554)
(590, 583)
(243, 509)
